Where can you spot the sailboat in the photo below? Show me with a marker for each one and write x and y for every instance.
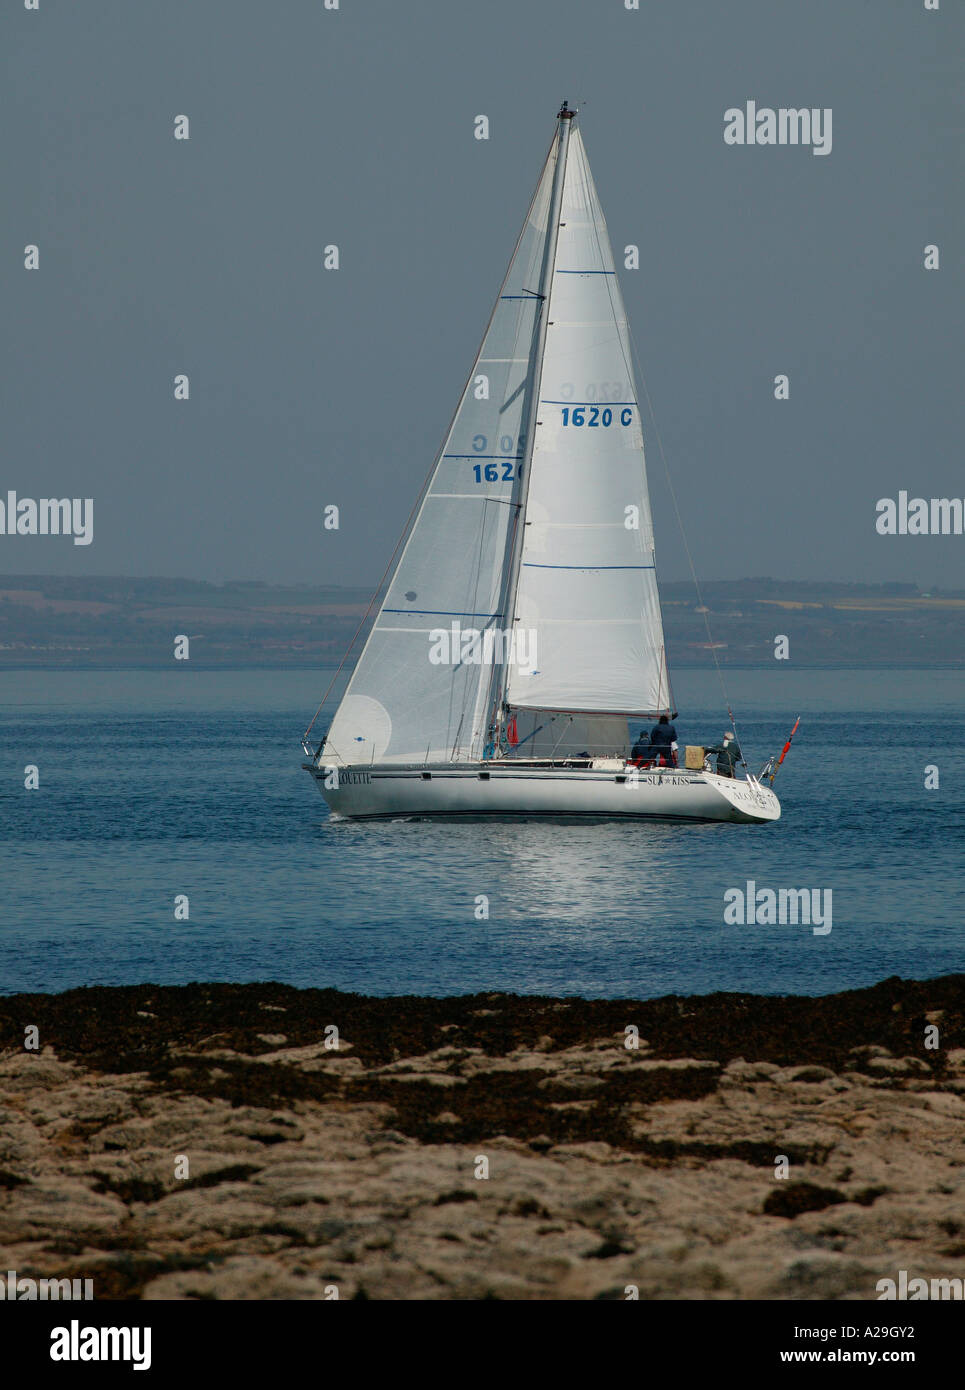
(521, 630)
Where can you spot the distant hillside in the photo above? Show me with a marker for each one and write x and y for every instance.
(826, 624)
(115, 621)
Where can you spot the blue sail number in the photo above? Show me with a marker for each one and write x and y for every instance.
(490, 472)
(592, 415)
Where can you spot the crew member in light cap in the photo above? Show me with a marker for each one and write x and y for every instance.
(728, 754)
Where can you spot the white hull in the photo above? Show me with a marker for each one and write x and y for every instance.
(488, 789)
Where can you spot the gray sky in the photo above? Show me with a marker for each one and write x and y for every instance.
(309, 387)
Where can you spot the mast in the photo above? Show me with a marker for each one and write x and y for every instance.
(508, 607)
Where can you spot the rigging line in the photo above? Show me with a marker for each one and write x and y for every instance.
(424, 490)
(495, 694)
(563, 731)
(547, 247)
(492, 696)
(683, 537)
(666, 467)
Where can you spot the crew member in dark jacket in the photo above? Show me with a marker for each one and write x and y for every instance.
(657, 745)
(662, 737)
(640, 752)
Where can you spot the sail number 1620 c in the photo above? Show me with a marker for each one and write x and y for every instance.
(591, 415)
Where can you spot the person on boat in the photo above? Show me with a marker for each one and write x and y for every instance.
(640, 752)
(659, 748)
(663, 741)
(728, 754)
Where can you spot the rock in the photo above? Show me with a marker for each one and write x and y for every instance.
(314, 1174)
(790, 1199)
(897, 1066)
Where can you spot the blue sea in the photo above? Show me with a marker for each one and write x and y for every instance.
(155, 784)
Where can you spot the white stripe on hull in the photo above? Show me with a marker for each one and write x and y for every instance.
(387, 791)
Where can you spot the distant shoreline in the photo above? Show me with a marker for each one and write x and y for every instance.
(50, 622)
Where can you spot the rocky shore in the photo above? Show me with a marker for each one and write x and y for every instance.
(212, 1141)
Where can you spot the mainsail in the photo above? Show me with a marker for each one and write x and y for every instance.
(587, 583)
(536, 536)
